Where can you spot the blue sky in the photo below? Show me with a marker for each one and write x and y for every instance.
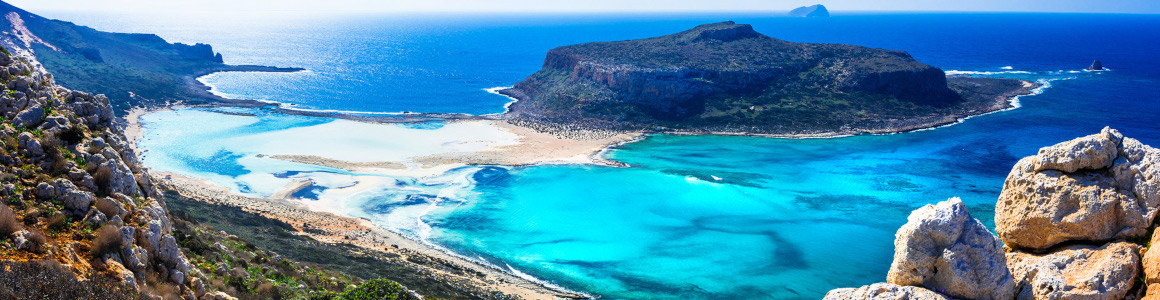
(1100, 6)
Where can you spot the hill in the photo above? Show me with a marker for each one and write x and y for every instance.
(131, 69)
(726, 77)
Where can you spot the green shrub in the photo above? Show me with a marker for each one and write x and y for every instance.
(377, 289)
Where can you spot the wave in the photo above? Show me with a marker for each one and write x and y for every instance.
(506, 106)
(1007, 68)
(958, 72)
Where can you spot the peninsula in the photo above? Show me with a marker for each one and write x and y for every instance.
(726, 78)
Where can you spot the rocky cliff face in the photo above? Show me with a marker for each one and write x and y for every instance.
(77, 190)
(1074, 219)
(728, 75)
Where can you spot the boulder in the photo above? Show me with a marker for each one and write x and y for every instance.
(1093, 152)
(1076, 272)
(884, 291)
(29, 117)
(1151, 262)
(1096, 188)
(942, 248)
(217, 296)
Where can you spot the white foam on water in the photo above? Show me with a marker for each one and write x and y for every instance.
(959, 72)
(506, 106)
(1007, 68)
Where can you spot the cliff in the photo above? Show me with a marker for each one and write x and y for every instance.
(132, 69)
(1074, 221)
(812, 11)
(728, 77)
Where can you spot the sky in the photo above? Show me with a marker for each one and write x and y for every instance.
(459, 6)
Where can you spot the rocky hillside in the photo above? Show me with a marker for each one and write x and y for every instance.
(132, 69)
(1075, 221)
(728, 77)
(81, 219)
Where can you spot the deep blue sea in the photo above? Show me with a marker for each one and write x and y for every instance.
(702, 217)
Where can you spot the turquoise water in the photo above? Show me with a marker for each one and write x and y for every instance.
(693, 217)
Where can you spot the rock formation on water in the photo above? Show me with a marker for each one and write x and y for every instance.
(728, 77)
(812, 11)
(1096, 66)
(1074, 220)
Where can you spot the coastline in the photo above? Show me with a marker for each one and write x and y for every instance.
(538, 146)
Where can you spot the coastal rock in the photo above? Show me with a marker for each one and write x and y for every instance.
(1095, 188)
(1151, 262)
(30, 144)
(942, 248)
(812, 11)
(1093, 152)
(1096, 66)
(884, 291)
(1076, 272)
(122, 273)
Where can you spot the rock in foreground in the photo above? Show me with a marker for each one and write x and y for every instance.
(1077, 272)
(884, 291)
(942, 248)
(1095, 188)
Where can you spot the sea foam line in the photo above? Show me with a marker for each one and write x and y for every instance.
(506, 106)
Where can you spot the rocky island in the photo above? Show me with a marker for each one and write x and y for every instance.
(726, 78)
(812, 11)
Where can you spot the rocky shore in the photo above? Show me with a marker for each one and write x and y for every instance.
(1075, 221)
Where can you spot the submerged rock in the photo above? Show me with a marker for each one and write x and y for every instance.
(884, 291)
(1089, 189)
(942, 248)
(1076, 272)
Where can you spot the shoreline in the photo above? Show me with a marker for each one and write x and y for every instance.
(551, 145)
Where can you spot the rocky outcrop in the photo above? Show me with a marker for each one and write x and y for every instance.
(1063, 215)
(812, 11)
(942, 248)
(1077, 272)
(1096, 66)
(1151, 261)
(884, 291)
(1089, 189)
(64, 152)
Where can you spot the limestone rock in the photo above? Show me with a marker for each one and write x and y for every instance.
(217, 296)
(1096, 188)
(29, 117)
(942, 248)
(884, 291)
(1076, 272)
(29, 143)
(1151, 262)
(1093, 152)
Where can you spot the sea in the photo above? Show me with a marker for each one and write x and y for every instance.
(693, 217)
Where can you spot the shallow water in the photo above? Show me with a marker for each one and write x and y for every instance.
(694, 217)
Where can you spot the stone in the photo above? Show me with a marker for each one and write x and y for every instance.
(1096, 188)
(1151, 262)
(29, 143)
(1076, 272)
(122, 273)
(217, 296)
(29, 117)
(942, 248)
(884, 291)
(1096, 66)
(1092, 152)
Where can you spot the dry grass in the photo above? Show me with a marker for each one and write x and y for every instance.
(107, 206)
(8, 222)
(108, 241)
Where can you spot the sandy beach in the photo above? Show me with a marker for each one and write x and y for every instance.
(318, 219)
